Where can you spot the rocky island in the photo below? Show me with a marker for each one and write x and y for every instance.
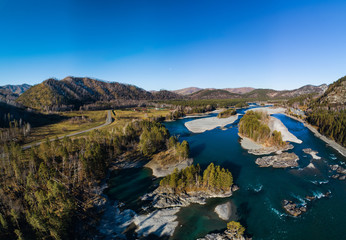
(293, 208)
(180, 189)
(282, 160)
(312, 153)
(262, 134)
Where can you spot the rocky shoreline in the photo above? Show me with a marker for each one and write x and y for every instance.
(161, 221)
(161, 198)
(257, 149)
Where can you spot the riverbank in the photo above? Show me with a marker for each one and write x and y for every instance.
(331, 143)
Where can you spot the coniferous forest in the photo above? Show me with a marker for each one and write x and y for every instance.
(45, 188)
(191, 179)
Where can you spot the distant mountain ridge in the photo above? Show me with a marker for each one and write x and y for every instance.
(249, 92)
(279, 94)
(17, 89)
(9, 93)
(74, 92)
(191, 90)
(187, 91)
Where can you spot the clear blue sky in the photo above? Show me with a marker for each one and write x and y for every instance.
(172, 44)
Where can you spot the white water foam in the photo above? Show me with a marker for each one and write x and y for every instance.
(320, 182)
(258, 188)
(301, 200)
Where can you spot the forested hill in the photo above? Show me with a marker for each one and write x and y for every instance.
(328, 112)
(73, 92)
(334, 97)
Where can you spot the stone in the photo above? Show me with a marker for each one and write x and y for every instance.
(235, 188)
(293, 209)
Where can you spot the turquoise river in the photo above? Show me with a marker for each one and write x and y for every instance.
(258, 202)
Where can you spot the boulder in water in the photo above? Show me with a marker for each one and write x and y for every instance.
(282, 160)
(224, 211)
(293, 209)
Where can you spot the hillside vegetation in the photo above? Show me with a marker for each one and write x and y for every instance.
(72, 93)
(330, 123)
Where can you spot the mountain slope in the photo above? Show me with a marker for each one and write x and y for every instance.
(334, 97)
(73, 92)
(7, 96)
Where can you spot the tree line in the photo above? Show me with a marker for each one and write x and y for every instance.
(213, 178)
(227, 113)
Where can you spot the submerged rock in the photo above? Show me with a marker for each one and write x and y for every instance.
(224, 211)
(282, 160)
(293, 208)
(311, 165)
(339, 172)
